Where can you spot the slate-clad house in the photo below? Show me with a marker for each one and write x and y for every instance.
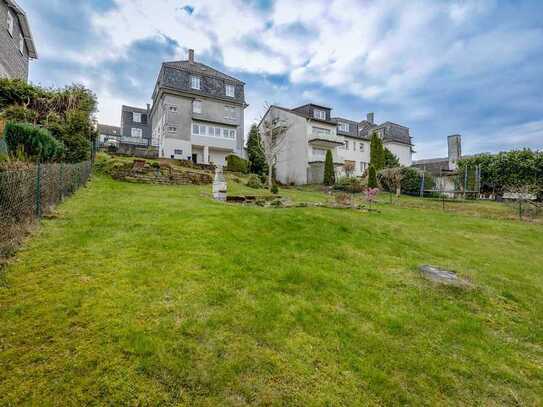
(108, 134)
(197, 112)
(135, 126)
(16, 43)
(312, 131)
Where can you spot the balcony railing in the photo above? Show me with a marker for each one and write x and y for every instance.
(325, 138)
(135, 140)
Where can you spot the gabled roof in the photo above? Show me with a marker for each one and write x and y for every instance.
(201, 69)
(126, 108)
(108, 130)
(312, 104)
(25, 28)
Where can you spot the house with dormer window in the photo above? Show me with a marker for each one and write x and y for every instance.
(16, 42)
(312, 132)
(197, 113)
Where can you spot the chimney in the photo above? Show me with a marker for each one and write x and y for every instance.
(369, 117)
(148, 108)
(455, 150)
(191, 55)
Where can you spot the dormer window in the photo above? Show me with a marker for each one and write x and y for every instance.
(319, 114)
(195, 82)
(230, 91)
(10, 23)
(343, 127)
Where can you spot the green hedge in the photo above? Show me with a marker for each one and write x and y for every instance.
(37, 143)
(236, 164)
(411, 180)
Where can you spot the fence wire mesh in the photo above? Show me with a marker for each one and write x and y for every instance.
(28, 193)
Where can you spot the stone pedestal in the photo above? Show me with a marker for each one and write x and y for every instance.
(219, 185)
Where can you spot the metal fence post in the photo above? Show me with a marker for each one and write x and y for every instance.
(38, 190)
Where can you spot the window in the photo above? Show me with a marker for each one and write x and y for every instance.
(361, 146)
(213, 131)
(172, 129)
(320, 132)
(10, 23)
(173, 108)
(229, 113)
(354, 145)
(136, 117)
(230, 91)
(136, 133)
(197, 106)
(178, 152)
(21, 44)
(319, 152)
(319, 114)
(346, 144)
(343, 127)
(363, 166)
(195, 82)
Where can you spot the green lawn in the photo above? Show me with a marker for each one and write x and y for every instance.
(148, 295)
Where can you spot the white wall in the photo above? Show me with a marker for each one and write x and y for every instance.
(354, 154)
(168, 147)
(292, 161)
(402, 151)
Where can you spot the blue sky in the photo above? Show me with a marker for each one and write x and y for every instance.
(438, 67)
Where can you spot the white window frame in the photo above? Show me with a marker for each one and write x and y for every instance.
(21, 44)
(229, 113)
(361, 147)
(136, 133)
(319, 152)
(172, 129)
(344, 127)
(346, 144)
(197, 106)
(195, 82)
(136, 117)
(319, 114)
(230, 90)
(10, 22)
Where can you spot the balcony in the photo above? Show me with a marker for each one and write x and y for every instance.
(134, 140)
(324, 138)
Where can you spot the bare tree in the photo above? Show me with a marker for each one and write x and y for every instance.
(522, 194)
(348, 167)
(393, 177)
(273, 134)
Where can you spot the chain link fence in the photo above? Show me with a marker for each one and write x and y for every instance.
(32, 191)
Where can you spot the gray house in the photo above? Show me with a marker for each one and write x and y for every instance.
(16, 44)
(197, 112)
(135, 126)
(108, 135)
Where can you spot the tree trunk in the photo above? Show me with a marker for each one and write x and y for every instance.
(270, 174)
(398, 191)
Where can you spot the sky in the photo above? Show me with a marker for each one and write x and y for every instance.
(473, 68)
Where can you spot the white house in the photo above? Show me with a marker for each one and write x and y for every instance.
(312, 132)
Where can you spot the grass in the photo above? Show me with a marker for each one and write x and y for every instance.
(142, 294)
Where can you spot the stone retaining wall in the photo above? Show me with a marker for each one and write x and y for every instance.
(162, 176)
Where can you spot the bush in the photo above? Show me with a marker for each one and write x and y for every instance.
(350, 184)
(329, 175)
(412, 178)
(237, 164)
(254, 182)
(372, 178)
(274, 189)
(37, 143)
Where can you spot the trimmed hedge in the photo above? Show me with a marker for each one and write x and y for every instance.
(37, 143)
(236, 164)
